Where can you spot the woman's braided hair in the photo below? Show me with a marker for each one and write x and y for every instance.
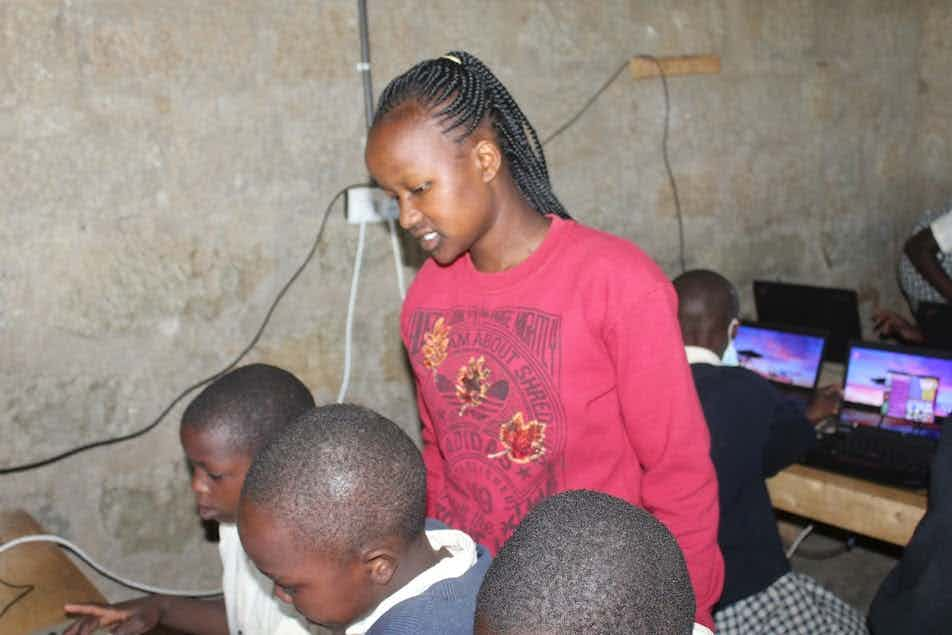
(462, 91)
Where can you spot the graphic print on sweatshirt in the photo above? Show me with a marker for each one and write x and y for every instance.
(490, 383)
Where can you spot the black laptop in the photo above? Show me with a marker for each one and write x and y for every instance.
(788, 357)
(835, 311)
(896, 400)
(935, 321)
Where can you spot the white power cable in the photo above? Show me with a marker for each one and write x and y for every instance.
(800, 538)
(351, 305)
(397, 258)
(138, 586)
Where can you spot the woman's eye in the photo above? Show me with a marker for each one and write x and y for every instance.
(215, 477)
(419, 189)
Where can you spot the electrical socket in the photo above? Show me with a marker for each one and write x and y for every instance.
(367, 204)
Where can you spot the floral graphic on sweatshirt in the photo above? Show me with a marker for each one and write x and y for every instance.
(524, 440)
(435, 345)
(472, 383)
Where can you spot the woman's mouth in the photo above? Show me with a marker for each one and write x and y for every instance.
(429, 240)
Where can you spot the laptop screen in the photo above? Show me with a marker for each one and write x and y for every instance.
(832, 310)
(780, 355)
(907, 386)
(910, 397)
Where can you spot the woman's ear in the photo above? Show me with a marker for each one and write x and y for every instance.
(489, 158)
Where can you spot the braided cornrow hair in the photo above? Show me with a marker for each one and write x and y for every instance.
(467, 91)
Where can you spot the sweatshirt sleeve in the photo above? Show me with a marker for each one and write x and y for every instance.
(791, 435)
(432, 458)
(666, 428)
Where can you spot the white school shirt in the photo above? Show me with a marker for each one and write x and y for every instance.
(462, 557)
(250, 603)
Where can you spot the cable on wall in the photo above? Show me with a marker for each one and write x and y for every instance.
(254, 341)
(351, 307)
(662, 75)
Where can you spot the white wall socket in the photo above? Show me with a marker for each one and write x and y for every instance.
(367, 204)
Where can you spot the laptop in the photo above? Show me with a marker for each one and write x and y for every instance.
(788, 357)
(935, 321)
(895, 402)
(829, 309)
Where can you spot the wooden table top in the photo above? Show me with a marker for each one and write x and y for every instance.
(56, 580)
(878, 511)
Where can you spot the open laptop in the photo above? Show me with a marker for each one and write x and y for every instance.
(895, 402)
(788, 357)
(829, 309)
(935, 321)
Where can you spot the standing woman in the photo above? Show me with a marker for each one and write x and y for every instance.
(547, 355)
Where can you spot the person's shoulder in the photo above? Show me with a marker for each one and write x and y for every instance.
(432, 612)
(621, 258)
(730, 376)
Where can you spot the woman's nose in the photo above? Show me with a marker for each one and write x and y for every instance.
(409, 215)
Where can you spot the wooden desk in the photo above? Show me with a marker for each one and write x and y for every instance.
(55, 578)
(878, 511)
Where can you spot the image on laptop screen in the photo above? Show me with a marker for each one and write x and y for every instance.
(910, 397)
(874, 371)
(782, 356)
(829, 309)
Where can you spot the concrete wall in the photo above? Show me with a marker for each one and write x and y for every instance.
(166, 164)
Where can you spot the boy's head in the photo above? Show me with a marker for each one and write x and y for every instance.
(226, 424)
(708, 309)
(587, 562)
(329, 507)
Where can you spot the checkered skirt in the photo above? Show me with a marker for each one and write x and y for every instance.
(793, 605)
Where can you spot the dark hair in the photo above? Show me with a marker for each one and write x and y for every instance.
(339, 477)
(247, 405)
(586, 562)
(462, 92)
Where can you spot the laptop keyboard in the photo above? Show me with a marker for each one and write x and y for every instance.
(877, 455)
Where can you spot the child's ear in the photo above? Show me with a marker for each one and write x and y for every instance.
(381, 565)
(489, 157)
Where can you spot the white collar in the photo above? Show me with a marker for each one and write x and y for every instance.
(699, 355)
(461, 559)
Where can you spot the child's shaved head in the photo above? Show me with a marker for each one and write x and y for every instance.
(247, 405)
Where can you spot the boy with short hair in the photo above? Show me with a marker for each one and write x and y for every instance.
(221, 430)
(333, 511)
(586, 562)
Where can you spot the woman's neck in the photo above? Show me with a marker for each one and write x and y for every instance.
(517, 231)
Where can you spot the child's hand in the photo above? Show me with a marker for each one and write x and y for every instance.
(126, 618)
(825, 403)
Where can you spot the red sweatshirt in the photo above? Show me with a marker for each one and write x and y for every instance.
(564, 372)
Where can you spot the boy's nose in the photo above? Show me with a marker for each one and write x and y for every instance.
(199, 486)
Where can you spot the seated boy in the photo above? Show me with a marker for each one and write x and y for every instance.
(332, 511)
(586, 562)
(755, 432)
(221, 430)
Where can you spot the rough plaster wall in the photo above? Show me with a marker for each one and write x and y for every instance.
(166, 163)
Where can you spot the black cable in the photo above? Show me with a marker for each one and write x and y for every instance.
(28, 588)
(587, 105)
(664, 140)
(267, 318)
